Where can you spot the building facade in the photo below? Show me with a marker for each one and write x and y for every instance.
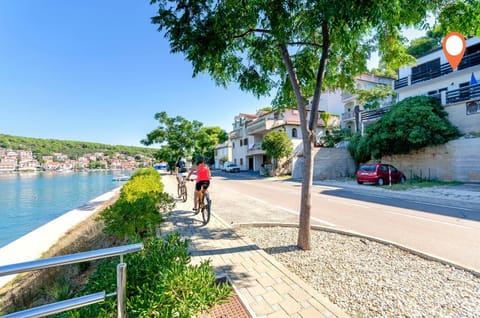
(353, 109)
(458, 90)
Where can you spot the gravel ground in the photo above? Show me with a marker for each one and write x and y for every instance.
(369, 279)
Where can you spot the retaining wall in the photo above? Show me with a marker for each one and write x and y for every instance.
(329, 163)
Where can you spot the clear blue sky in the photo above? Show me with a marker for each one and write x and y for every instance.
(98, 71)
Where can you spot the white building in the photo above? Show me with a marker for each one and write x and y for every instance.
(432, 75)
(240, 140)
(351, 116)
(223, 153)
(250, 131)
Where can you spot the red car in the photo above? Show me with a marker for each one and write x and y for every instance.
(380, 174)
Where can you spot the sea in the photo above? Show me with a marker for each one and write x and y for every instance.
(30, 200)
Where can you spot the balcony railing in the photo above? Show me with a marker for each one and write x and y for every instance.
(255, 149)
(467, 61)
(348, 115)
(463, 94)
(373, 114)
(259, 126)
(82, 301)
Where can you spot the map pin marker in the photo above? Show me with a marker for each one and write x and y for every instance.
(454, 46)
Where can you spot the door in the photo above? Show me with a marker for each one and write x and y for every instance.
(250, 163)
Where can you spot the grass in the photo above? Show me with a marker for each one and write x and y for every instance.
(417, 184)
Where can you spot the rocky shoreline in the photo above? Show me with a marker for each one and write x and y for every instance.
(370, 279)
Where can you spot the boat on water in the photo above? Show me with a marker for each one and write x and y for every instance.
(121, 178)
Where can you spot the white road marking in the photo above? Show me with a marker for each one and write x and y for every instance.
(444, 206)
(427, 219)
(348, 203)
(284, 209)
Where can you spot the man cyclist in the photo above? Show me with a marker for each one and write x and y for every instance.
(180, 171)
(203, 179)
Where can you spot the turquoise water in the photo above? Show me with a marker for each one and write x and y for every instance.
(27, 201)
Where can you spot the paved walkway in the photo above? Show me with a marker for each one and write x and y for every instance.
(267, 287)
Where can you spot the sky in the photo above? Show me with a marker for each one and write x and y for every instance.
(98, 71)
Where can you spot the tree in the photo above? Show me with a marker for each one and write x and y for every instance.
(370, 98)
(277, 145)
(207, 139)
(325, 116)
(287, 46)
(176, 135)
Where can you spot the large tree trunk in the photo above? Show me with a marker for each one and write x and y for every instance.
(304, 239)
(305, 202)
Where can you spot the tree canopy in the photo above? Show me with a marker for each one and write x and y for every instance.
(277, 144)
(179, 137)
(296, 47)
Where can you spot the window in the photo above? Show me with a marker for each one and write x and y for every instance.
(294, 133)
(241, 161)
(245, 141)
(233, 144)
(241, 143)
(473, 107)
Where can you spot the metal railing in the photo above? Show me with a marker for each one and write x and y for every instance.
(469, 60)
(58, 307)
(463, 94)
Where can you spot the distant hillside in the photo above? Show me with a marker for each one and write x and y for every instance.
(46, 147)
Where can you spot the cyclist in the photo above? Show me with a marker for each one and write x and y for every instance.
(203, 179)
(180, 171)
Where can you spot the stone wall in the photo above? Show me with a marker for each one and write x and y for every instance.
(329, 163)
(458, 117)
(457, 160)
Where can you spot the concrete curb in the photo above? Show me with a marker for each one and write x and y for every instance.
(424, 255)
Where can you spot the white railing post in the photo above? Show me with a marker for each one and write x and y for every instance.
(121, 288)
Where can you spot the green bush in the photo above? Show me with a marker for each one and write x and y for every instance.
(359, 149)
(160, 283)
(140, 207)
(413, 123)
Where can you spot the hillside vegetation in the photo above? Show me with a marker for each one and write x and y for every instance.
(45, 147)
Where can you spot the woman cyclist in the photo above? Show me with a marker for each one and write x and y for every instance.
(203, 179)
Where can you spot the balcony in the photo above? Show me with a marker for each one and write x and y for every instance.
(367, 115)
(467, 61)
(463, 94)
(235, 134)
(348, 116)
(255, 149)
(259, 126)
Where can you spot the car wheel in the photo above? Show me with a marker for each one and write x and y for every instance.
(380, 182)
(359, 182)
(402, 180)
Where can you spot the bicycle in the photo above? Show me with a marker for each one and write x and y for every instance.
(204, 204)
(182, 190)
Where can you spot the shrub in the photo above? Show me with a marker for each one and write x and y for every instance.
(160, 283)
(413, 123)
(140, 207)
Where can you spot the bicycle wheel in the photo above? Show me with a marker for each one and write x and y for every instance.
(184, 193)
(206, 208)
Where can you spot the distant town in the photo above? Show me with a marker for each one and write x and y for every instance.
(20, 160)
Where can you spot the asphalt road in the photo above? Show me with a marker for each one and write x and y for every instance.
(441, 230)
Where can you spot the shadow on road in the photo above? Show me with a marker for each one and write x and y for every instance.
(407, 203)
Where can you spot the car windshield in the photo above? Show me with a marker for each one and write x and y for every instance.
(367, 168)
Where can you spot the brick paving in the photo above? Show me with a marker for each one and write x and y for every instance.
(266, 287)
